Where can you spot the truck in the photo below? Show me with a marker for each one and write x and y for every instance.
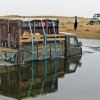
(95, 19)
(25, 40)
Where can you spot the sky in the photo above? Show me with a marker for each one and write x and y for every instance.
(81, 8)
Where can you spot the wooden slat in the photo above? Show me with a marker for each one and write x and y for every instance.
(57, 35)
(36, 40)
(42, 39)
(50, 37)
(25, 40)
(4, 49)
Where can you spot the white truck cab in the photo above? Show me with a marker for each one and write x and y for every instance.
(94, 19)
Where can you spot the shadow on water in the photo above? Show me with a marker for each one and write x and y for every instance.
(21, 81)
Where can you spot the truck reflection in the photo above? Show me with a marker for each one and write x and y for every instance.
(23, 81)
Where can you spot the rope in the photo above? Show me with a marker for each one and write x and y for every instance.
(55, 43)
(12, 57)
(55, 73)
(45, 38)
(45, 61)
(32, 68)
(3, 56)
(55, 56)
(45, 75)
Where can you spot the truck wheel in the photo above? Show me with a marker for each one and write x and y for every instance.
(87, 23)
(91, 23)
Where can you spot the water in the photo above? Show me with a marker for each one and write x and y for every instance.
(77, 78)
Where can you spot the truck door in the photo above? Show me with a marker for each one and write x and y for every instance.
(74, 47)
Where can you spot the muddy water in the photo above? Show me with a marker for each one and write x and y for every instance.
(66, 79)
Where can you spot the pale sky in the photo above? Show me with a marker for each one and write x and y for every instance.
(81, 8)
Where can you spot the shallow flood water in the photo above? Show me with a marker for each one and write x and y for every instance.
(64, 79)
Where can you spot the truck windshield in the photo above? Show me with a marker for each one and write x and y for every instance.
(73, 42)
(96, 15)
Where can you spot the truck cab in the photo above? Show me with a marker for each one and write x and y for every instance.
(72, 45)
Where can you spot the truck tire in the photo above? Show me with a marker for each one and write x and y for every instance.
(91, 22)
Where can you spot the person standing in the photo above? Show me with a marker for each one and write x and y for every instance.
(75, 23)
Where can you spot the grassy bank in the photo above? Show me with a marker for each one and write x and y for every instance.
(83, 30)
(66, 25)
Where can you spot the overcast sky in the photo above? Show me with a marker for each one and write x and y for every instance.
(82, 8)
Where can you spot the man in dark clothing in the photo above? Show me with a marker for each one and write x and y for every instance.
(75, 23)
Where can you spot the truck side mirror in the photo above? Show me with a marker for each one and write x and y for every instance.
(80, 44)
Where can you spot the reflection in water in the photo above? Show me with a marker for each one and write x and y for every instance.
(96, 48)
(17, 81)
